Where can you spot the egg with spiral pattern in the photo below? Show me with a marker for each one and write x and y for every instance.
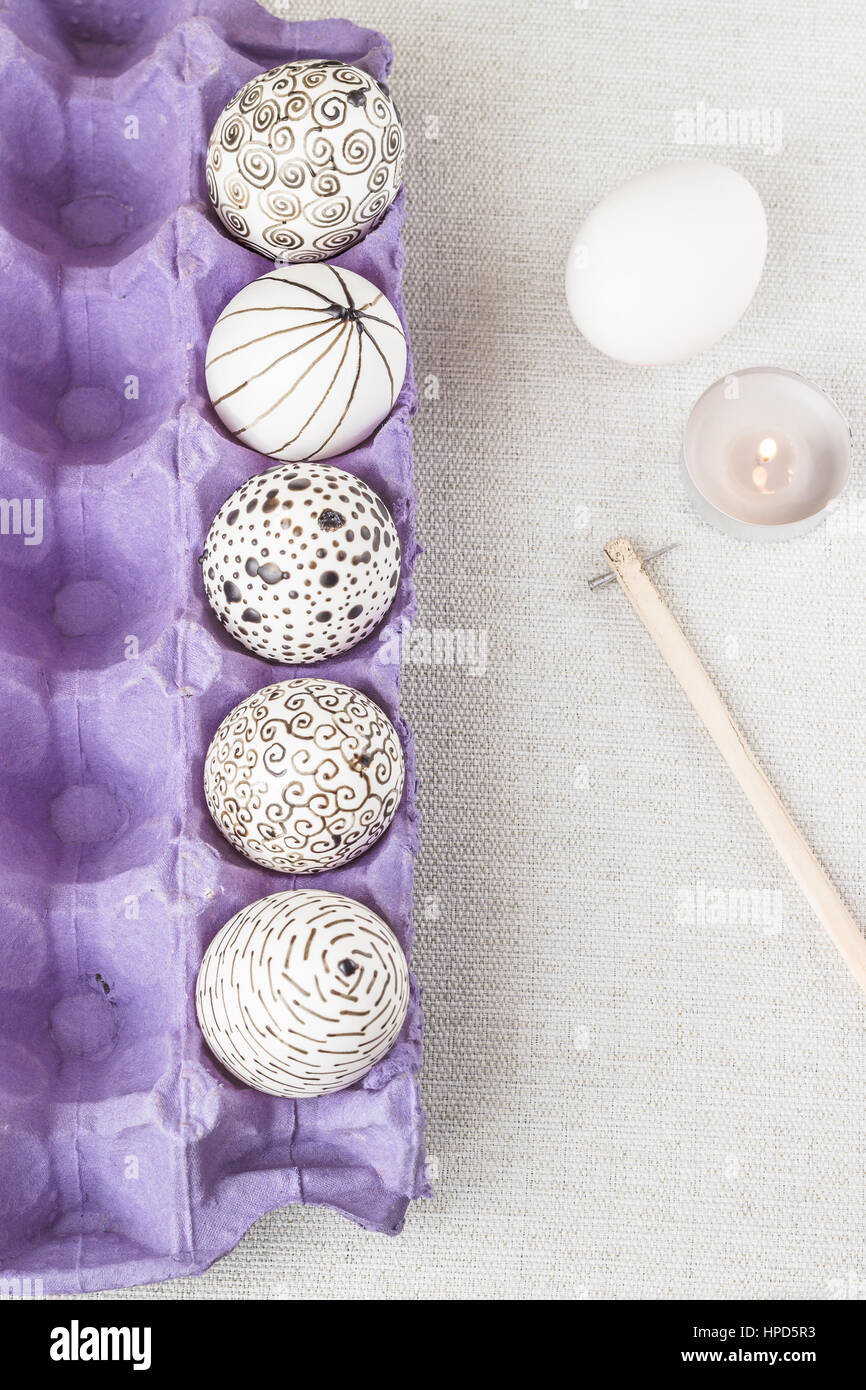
(305, 362)
(305, 159)
(304, 775)
(301, 562)
(301, 993)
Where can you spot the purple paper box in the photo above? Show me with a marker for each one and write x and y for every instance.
(126, 1153)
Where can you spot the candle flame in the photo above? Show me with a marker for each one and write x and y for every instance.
(766, 453)
(767, 450)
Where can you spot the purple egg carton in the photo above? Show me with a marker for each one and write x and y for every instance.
(126, 1153)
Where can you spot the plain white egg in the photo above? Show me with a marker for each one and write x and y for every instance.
(667, 263)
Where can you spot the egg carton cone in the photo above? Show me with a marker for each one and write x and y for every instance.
(127, 1154)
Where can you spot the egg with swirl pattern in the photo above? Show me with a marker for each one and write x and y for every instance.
(305, 159)
(301, 993)
(301, 562)
(304, 775)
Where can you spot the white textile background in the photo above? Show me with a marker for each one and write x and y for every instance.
(646, 1067)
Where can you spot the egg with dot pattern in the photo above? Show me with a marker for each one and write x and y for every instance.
(301, 993)
(301, 563)
(304, 775)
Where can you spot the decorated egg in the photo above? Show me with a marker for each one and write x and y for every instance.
(302, 993)
(305, 362)
(667, 263)
(301, 562)
(304, 775)
(306, 159)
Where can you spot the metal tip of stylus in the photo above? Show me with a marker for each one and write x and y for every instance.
(598, 581)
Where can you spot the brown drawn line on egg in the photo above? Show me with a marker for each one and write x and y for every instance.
(296, 1032)
(328, 389)
(305, 1008)
(374, 1018)
(275, 333)
(295, 985)
(281, 280)
(274, 1021)
(278, 308)
(251, 1022)
(385, 362)
(386, 323)
(273, 1072)
(290, 1010)
(322, 994)
(325, 442)
(245, 947)
(363, 308)
(254, 376)
(278, 1064)
(362, 329)
(295, 384)
(350, 1055)
(350, 302)
(303, 1051)
(343, 997)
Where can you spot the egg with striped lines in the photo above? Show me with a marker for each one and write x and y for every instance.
(305, 362)
(301, 562)
(301, 993)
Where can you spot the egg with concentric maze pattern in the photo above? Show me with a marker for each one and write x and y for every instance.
(304, 775)
(302, 993)
(306, 159)
(301, 562)
(305, 362)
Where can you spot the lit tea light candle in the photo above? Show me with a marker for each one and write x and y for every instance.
(766, 453)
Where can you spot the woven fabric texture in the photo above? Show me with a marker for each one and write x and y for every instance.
(645, 1065)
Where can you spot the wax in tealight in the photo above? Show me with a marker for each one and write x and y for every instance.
(766, 452)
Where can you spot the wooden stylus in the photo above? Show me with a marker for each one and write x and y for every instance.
(686, 666)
